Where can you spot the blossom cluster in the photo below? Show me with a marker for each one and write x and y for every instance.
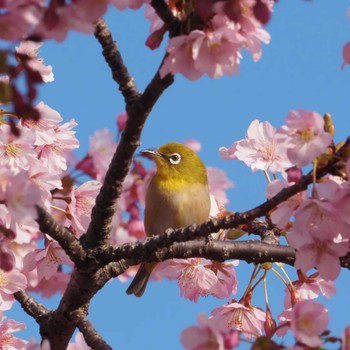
(315, 224)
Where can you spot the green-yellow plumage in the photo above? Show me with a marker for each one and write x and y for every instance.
(177, 196)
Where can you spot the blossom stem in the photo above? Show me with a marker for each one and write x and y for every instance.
(59, 209)
(267, 176)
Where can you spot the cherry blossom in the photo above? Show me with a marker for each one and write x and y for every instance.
(82, 199)
(30, 49)
(308, 320)
(52, 154)
(260, 150)
(16, 152)
(7, 340)
(102, 148)
(303, 136)
(218, 184)
(249, 320)
(47, 260)
(207, 336)
(309, 287)
(281, 215)
(10, 283)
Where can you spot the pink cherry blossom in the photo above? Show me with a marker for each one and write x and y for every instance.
(227, 281)
(10, 283)
(308, 320)
(319, 252)
(56, 284)
(207, 336)
(217, 52)
(19, 18)
(30, 48)
(102, 148)
(7, 340)
(218, 184)
(346, 55)
(45, 182)
(193, 144)
(260, 150)
(194, 279)
(249, 320)
(281, 215)
(82, 199)
(47, 260)
(16, 151)
(78, 15)
(180, 57)
(45, 126)
(52, 154)
(303, 136)
(21, 204)
(310, 287)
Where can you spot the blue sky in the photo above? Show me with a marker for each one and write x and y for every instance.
(300, 68)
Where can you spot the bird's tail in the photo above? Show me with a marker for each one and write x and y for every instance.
(139, 283)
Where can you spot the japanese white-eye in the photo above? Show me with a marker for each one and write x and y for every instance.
(177, 196)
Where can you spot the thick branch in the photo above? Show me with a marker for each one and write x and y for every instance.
(32, 307)
(91, 336)
(62, 235)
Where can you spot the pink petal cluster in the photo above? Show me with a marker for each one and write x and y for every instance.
(216, 50)
(10, 283)
(82, 199)
(200, 277)
(316, 231)
(260, 150)
(208, 336)
(303, 136)
(247, 319)
(49, 20)
(281, 215)
(30, 50)
(46, 261)
(7, 328)
(309, 320)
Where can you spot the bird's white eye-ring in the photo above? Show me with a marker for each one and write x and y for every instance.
(175, 158)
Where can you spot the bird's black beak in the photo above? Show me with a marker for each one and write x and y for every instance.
(150, 154)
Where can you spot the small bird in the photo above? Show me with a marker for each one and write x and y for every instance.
(177, 196)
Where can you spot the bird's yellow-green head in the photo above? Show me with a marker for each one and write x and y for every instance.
(177, 166)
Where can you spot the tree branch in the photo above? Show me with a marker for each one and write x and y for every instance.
(32, 307)
(91, 336)
(62, 235)
(115, 62)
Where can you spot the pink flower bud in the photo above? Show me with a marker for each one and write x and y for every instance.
(155, 39)
(294, 174)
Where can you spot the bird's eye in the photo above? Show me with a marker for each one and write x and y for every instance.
(175, 158)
